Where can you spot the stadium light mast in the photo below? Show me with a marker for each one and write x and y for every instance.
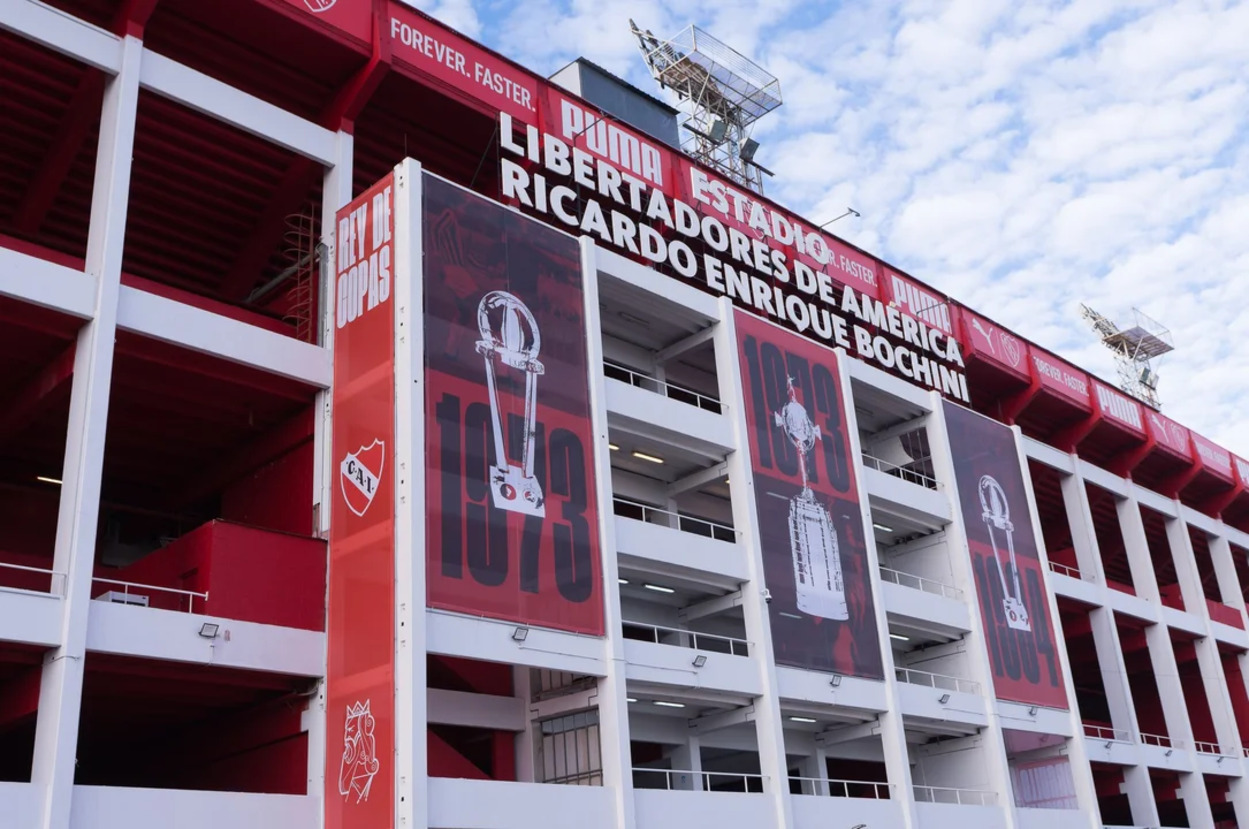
(1135, 348)
(722, 93)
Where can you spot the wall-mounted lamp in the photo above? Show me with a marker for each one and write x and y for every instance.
(700, 660)
(1108, 743)
(1032, 711)
(1219, 761)
(209, 630)
(520, 634)
(1168, 754)
(943, 699)
(835, 680)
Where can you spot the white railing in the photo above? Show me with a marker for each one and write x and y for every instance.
(628, 508)
(680, 637)
(685, 780)
(1068, 570)
(56, 580)
(873, 462)
(939, 681)
(964, 797)
(1205, 747)
(127, 588)
(1101, 732)
(920, 583)
(670, 390)
(1160, 740)
(865, 789)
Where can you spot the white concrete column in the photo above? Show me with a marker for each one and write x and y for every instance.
(1114, 671)
(60, 695)
(1140, 791)
(770, 735)
(1186, 572)
(1080, 520)
(614, 739)
(525, 754)
(1135, 545)
(688, 757)
(1225, 572)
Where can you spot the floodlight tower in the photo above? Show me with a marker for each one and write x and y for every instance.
(1135, 348)
(722, 94)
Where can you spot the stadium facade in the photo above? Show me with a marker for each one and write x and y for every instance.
(393, 438)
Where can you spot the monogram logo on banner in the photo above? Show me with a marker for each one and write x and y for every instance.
(318, 6)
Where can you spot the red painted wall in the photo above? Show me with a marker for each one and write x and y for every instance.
(277, 496)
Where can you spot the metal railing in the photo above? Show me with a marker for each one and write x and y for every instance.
(682, 638)
(1160, 740)
(628, 508)
(1068, 570)
(939, 681)
(56, 580)
(873, 462)
(128, 588)
(1101, 732)
(920, 583)
(963, 797)
(685, 780)
(669, 390)
(1206, 747)
(865, 789)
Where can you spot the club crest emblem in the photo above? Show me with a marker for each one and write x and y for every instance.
(1010, 348)
(360, 764)
(318, 6)
(360, 474)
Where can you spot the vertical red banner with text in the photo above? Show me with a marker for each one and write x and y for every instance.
(512, 531)
(360, 700)
(810, 521)
(1014, 604)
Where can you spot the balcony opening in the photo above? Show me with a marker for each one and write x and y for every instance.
(1141, 681)
(1218, 790)
(158, 725)
(1113, 803)
(893, 435)
(931, 658)
(660, 346)
(1047, 485)
(914, 554)
(704, 742)
(1086, 671)
(1196, 700)
(1233, 660)
(671, 486)
(21, 670)
(1168, 798)
(949, 765)
(207, 495)
(1220, 611)
(1040, 770)
(1240, 560)
(36, 374)
(853, 760)
(668, 611)
(1161, 556)
(1109, 533)
(470, 735)
(51, 125)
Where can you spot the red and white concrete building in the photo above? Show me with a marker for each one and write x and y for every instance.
(803, 542)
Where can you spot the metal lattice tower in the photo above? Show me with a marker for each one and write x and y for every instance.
(1135, 348)
(722, 93)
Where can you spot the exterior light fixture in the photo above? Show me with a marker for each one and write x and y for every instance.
(801, 719)
(624, 581)
(882, 527)
(659, 588)
(630, 699)
(1032, 711)
(45, 479)
(835, 680)
(209, 630)
(613, 447)
(943, 699)
(700, 660)
(1168, 754)
(642, 456)
(663, 703)
(899, 637)
(520, 634)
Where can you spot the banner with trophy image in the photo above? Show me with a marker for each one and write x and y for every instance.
(512, 529)
(1010, 583)
(810, 521)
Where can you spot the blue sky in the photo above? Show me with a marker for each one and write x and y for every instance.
(1022, 157)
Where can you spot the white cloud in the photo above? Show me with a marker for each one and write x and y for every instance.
(1023, 157)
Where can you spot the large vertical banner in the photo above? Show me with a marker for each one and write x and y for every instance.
(810, 521)
(513, 520)
(360, 702)
(1014, 605)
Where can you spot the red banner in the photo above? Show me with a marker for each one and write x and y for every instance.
(360, 697)
(1060, 378)
(352, 17)
(1168, 434)
(1014, 605)
(1214, 458)
(1242, 470)
(920, 302)
(993, 343)
(513, 518)
(1118, 408)
(810, 522)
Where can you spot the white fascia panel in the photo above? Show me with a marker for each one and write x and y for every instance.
(475, 637)
(175, 636)
(30, 618)
(38, 281)
(198, 91)
(63, 33)
(199, 330)
(117, 807)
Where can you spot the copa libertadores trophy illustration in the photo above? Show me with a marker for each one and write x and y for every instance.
(812, 537)
(996, 514)
(510, 334)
